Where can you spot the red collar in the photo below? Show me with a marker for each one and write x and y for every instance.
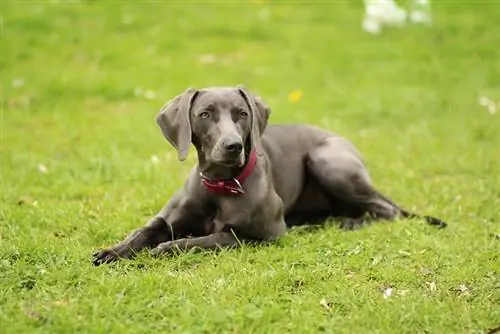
(231, 187)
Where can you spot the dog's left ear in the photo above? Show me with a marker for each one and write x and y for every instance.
(173, 120)
(260, 115)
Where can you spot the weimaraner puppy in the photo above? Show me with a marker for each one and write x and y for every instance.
(252, 181)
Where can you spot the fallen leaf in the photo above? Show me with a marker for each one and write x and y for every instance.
(404, 253)
(349, 274)
(462, 289)
(432, 286)
(295, 96)
(25, 200)
(325, 304)
(376, 260)
(387, 293)
(354, 251)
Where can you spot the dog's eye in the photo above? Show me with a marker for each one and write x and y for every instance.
(204, 115)
(243, 114)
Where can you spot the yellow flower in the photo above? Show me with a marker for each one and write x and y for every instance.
(295, 96)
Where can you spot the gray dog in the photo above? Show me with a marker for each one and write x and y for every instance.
(250, 184)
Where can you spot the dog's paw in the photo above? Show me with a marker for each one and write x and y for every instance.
(161, 249)
(109, 255)
(165, 248)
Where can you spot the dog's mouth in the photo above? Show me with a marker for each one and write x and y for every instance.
(238, 161)
(230, 162)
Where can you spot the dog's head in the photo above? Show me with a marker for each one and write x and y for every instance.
(222, 123)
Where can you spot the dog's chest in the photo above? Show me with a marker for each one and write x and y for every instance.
(231, 212)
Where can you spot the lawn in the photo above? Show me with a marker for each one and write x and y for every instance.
(83, 163)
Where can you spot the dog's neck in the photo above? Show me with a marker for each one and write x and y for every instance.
(224, 181)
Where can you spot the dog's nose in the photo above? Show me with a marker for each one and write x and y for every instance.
(233, 146)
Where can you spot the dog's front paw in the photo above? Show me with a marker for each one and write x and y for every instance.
(111, 254)
(165, 248)
(161, 249)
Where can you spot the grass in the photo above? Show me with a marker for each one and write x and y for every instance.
(78, 134)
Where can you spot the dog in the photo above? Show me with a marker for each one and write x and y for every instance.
(252, 181)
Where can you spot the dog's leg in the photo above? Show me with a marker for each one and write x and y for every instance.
(338, 168)
(406, 214)
(176, 219)
(153, 233)
(342, 174)
(209, 242)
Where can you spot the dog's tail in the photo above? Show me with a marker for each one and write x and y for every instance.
(407, 214)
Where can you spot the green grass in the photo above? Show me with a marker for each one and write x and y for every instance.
(71, 76)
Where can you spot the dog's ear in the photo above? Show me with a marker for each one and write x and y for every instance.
(260, 115)
(173, 120)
